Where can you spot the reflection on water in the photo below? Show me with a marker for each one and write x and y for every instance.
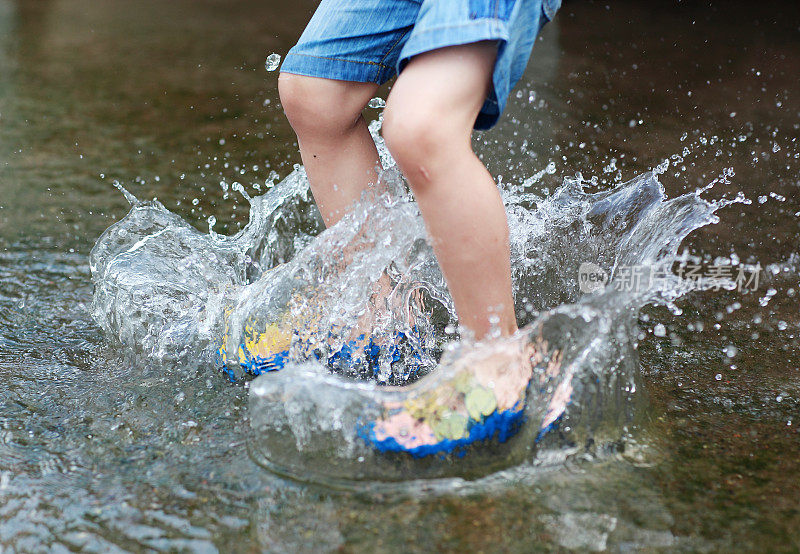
(99, 450)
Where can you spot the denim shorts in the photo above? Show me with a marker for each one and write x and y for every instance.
(370, 41)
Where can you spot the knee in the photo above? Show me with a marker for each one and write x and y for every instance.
(424, 139)
(413, 137)
(314, 107)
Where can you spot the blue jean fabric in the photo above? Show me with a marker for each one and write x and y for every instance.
(370, 41)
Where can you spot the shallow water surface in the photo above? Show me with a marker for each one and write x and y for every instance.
(101, 450)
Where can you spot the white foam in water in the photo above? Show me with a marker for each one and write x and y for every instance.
(169, 291)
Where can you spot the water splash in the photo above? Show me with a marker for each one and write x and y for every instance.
(304, 416)
(172, 292)
(160, 283)
(379, 281)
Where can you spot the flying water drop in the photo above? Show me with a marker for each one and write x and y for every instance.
(273, 61)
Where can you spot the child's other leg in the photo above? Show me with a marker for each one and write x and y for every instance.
(337, 150)
(428, 127)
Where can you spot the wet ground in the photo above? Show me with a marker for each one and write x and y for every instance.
(99, 452)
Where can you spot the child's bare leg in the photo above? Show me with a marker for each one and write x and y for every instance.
(427, 126)
(337, 150)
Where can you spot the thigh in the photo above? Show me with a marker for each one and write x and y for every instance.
(512, 24)
(353, 40)
(449, 84)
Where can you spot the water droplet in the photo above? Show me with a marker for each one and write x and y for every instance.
(731, 351)
(377, 103)
(659, 330)
(551, 168)
(195, 201)
(273, 61)
(718, 376)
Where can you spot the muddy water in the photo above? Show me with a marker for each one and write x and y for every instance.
(99, 451)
